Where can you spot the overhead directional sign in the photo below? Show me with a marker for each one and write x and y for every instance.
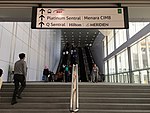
(101, 18)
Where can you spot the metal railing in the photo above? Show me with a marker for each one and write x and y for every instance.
(133, 76)
(74, 100)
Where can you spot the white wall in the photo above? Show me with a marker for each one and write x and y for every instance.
(42, 47)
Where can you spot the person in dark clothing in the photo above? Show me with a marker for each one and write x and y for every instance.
(46, 73)
(20, 73)
(66, 73)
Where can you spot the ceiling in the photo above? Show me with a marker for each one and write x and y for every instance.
(21, 11)
(79, 37)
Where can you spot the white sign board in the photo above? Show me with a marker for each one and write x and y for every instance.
(79, 18)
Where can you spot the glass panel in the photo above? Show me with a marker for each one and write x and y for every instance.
(110, 41)
(120, 78)
(136, 77)
(135, 27)
(106, 71)
(144, 54)
(144, 79)
(122, 62)
(134, 56)
(106, 78)
(111, 45)
(112, 66)
(120, 37)
(105, 48)
(110, 78)
(125, 78)
(148, 51)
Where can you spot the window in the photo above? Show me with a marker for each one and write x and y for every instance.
(120, 37)
(122, 62)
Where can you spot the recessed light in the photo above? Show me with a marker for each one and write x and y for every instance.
(79, 32)
(64, 32)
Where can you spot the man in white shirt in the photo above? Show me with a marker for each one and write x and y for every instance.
(20, 73)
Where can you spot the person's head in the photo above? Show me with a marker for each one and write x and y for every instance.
(46, 67)
(21, 55)
(94, 65)
(1, 72)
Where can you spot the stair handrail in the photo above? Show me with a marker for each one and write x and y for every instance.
(74, 100)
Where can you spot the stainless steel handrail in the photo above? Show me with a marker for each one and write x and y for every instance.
(74, 100)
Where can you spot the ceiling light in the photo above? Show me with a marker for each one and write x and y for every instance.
(79, 38)
(95, 32)
(93, 35)
(79, 35)
(65, 36)
(86, 35)
(64, 32)
(72, 32)
(79, 32)
(72, 38)
(90, 44)
(87, 32)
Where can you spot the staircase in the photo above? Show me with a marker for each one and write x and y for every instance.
(93, 98)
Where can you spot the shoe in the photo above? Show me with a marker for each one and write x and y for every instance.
(19, 97)
(13, 102)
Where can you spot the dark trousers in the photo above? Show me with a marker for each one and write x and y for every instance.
(66, 76)
(18, 90)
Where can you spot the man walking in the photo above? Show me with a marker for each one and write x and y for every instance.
(20, 73)
(95, 75)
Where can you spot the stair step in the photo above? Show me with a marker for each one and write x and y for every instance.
(67, 111)
(81, 100)
(85, 106)
(107, 90)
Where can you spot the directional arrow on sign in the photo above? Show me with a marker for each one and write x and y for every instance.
(42, 11)
(41, 17)
(41, 23)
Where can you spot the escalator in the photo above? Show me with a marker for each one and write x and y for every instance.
(89, 58)
(82, 73)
